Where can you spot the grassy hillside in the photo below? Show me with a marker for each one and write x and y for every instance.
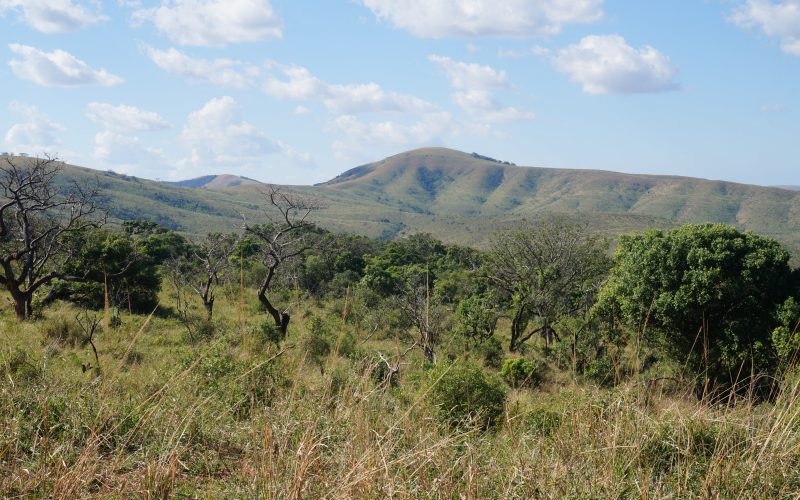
(462, 198)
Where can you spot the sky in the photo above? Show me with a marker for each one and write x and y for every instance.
(297, 91)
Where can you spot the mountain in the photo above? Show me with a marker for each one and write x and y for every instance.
(790, 188)
(463, 198)
(216, 181)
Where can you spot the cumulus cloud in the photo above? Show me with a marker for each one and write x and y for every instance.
(53, 16)
(300, 85)
(218, 135)
(470, 75)
(36, 134)
(475, 85)
(359, 139)
(57, 69)
(476, 18)
(222, 72)
(213, 23)
(124, 118)
(608, 65)
(779, 20)
(129, 155)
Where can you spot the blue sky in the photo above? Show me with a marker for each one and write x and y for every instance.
(296, 91)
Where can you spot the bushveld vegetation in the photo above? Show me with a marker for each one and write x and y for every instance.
(283, 360)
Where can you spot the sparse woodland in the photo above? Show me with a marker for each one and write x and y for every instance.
(280, 360)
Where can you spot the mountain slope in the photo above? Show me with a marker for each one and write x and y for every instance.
(463, 198)
(215, 181)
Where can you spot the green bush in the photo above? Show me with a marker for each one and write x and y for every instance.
(64, 330)
(464, 392)
(543, 421)
(265, 332)
(521, 372)
(316, 343)
(492, 353)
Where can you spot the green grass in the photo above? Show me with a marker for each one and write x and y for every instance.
(232, 416)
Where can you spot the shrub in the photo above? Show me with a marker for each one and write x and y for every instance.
(265, 332)
(63, 330)
(492, 353)
(521, 372)
(316, 342)
(464, 392)
(710, 277)
(543, 421)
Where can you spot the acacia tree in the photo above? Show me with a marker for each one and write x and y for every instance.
(284, 237)
(36, 220)
(212, 258)
(546, 271)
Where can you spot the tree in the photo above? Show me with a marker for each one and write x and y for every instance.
(208, 261)
(36, 220)
(286, 236)
(546, 271)
(124, 264)
(414, 298)
(476, 318)
(708, 293)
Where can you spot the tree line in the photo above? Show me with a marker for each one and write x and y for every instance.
(723, 304)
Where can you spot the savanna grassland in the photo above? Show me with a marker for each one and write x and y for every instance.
(234, 415)
(283, 360)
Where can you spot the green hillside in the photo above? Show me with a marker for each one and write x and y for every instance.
(464, 198)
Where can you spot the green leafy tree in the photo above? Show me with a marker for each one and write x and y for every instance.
(707, 292)
(476, 318)
(546, 271)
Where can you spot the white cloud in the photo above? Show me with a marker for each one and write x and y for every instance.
(124, 117)
(57, 69)
(470, 75)
(213, 23)
(36, 134)
(129, 155)
(222, 72)
(301, 110)
(364, 139)
(301, 85)
(608, 65)
(53, 16)
(779, 20)
(497, 18)
(217, 134)
(475, 85)
(482, 104)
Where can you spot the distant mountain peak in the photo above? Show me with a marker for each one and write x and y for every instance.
(437, 158)
(216, 181)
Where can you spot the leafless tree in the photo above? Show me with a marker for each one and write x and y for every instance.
(210, 259)
(89, 324)
(284, 237)
(415, 302)
(36, 220)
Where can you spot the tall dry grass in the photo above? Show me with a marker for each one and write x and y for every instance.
(168, 417)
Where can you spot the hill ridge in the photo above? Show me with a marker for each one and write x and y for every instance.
(463, 199)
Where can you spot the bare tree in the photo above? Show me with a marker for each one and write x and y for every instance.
(284, 237)
(546, 271)
(415, 302)
(211, 258)
(36, 220)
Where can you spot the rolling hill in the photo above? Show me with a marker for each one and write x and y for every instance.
(461, 198)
